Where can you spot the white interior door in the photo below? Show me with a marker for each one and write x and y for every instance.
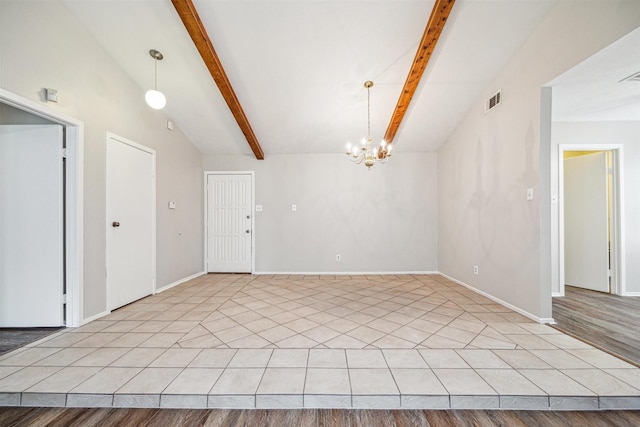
(586, 236)
(130, 222)
(31, 226)
(229, 210)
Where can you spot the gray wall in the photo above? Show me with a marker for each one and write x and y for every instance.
(42, 45)
(626, 134)
(14, 116)
(490, 160)
(378, 220)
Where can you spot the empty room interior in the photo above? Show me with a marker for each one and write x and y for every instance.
(420, 204)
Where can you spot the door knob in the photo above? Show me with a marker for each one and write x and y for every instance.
(247, 231)
(115, 224)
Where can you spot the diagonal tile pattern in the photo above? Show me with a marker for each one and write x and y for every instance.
(290, 341)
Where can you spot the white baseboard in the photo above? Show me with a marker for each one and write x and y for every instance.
(542, 320)
(350, 273)
(631, 294)
(94, 317)
(177, 282)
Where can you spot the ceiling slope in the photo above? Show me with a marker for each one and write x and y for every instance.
(189, 16)
(298, 67)
(435, 25)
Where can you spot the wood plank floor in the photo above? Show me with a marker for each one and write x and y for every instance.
(609, 322)
(308, 417)
(12, 338)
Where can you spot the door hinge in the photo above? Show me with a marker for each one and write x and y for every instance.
(64, 298)
(64, 153)
(609, 274)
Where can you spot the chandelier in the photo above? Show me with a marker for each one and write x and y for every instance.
(365, 153)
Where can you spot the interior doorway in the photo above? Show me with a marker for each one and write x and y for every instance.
(591, 249)
(587, 220)
(72, 230)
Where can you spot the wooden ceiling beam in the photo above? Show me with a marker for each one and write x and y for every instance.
(439, 15)
(191, 20)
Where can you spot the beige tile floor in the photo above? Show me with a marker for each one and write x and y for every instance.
(394, 341)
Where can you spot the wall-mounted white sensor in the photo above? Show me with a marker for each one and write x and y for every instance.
(52, 95)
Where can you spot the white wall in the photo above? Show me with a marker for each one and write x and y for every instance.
(43, 45)
(378, 220)
(490, 160)
(626, 134)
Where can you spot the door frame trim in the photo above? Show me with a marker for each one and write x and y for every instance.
(74, 202)
(151, 151)
(253, 216)
(618, 279)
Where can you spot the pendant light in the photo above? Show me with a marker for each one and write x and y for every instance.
(154, 97)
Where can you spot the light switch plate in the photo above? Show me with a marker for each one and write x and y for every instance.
(529, 193)
(172, 205)
(258, 208)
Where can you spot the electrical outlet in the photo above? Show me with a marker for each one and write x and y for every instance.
(338, 258)
(475, 270)
(294, 208)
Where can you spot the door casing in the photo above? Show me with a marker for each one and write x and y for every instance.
(253, 216)
(74, 200)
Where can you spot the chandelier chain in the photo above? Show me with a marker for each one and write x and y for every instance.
(369, 113)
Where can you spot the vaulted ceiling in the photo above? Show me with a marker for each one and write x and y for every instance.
(298, 67)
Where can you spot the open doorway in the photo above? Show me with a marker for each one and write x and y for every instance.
(590, 226)
(594, 118)
(592, 305)
(70, 206)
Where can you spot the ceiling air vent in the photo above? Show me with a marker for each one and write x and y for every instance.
(632, 78)
(493, 102)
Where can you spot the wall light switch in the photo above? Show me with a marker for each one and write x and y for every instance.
(258, 208)
(172, 205)
(529, 193)
(294, 208)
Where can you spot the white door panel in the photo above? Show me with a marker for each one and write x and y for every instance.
(130, 222)
(31, 226)
(586, 244)
(229, 210)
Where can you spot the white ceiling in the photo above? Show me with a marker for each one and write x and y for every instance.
(594, 91)
(298, 67)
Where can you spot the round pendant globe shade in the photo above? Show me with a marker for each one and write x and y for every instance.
(155, 99)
